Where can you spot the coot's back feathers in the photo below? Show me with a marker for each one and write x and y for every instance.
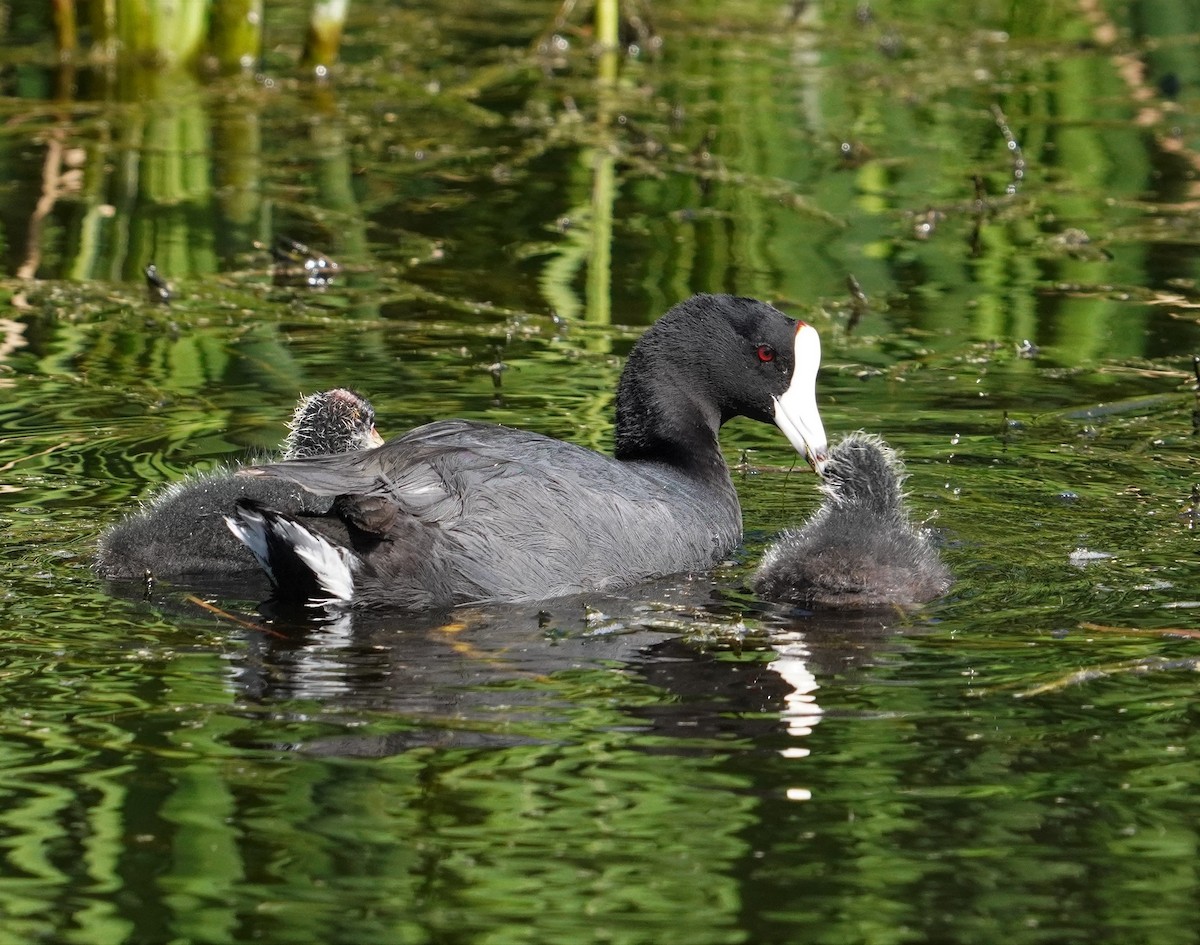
(445, 515)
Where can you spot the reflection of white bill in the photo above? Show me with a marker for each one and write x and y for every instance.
(801, 711)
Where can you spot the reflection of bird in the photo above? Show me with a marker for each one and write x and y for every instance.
(859, 548)
(457, 511)
(181, 531)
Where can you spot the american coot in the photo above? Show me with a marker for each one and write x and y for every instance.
(331, 421)
(858, 550)
(182, 530)
(458, 511)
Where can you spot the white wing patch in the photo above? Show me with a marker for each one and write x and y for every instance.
(332, 567)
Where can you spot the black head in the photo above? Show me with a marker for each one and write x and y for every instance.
(712, 358)
(332, 421)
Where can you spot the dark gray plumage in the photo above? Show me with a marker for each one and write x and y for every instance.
(182, 531)
(457, 511)
(858, 550)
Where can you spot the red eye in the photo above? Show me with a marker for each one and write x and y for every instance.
(766, 353)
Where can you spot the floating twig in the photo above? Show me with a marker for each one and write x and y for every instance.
(1143, 631)
(156, 285)
(246, 624)
(859, 303)
(1148, 665)
(1010, 141)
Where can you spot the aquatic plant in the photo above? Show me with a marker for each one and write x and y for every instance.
(180, 33)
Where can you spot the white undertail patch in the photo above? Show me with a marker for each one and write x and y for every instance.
(250, 528)
(332, 567)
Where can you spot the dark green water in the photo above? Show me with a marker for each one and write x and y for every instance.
(1016, 763)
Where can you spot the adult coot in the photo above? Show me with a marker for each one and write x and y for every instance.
(182, 530)
(458, 511)
(858, 550)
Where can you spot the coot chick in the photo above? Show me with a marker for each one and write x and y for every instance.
(458, 511)
(331, 421)
(182, 530)
(858, 550)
